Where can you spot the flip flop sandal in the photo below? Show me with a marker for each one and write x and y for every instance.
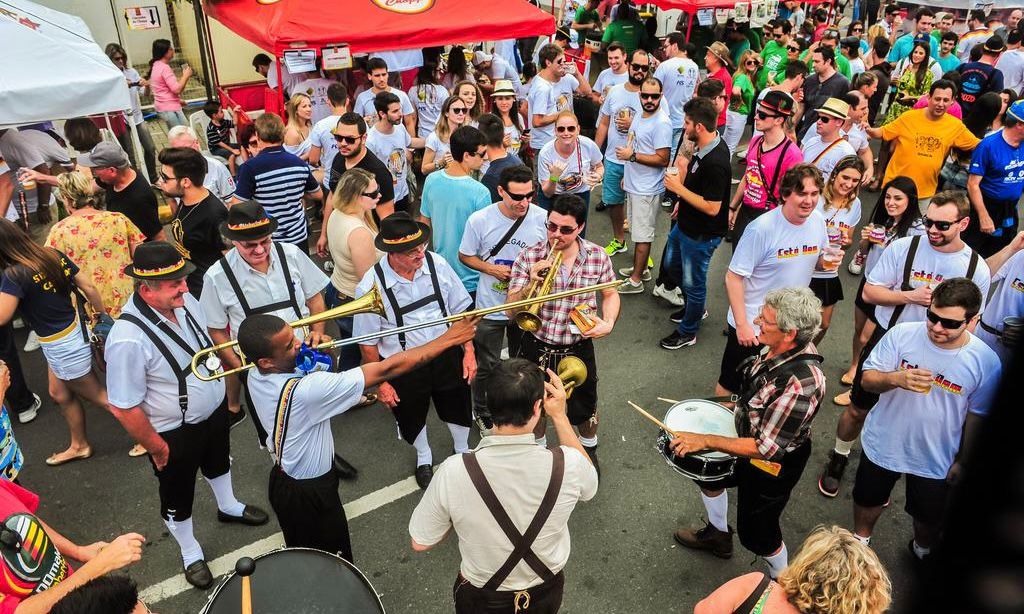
(842, 400)
(846, 380)
(53, 461)
(368, 399)
(137, 451)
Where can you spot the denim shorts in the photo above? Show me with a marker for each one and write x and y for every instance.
(611, 189)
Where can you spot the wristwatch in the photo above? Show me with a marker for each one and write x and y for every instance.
(632, 157)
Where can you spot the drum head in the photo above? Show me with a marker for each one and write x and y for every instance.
(704, 417)
(304, 580)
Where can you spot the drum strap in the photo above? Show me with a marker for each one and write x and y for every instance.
(521, 543)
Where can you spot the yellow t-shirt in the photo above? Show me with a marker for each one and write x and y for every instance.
(922, 146)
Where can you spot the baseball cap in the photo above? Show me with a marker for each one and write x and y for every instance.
(1016, 111)
(105, 154)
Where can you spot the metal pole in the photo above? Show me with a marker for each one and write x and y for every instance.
(689, 25)
(201, 34)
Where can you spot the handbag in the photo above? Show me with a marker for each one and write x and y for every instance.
(96, 334)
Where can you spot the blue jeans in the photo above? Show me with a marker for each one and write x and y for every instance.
(689, 259)
(676, 133)
(173, 118)
(350, 356)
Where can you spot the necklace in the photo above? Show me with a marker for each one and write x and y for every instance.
(178, 230)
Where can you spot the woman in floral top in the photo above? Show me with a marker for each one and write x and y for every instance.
(100, 242)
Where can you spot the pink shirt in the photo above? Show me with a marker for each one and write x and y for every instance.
(165, 87)
(953, 109)
(764, 172)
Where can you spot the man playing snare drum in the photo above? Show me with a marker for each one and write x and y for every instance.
(782, 388)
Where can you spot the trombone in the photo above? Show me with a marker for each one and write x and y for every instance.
(371, 302)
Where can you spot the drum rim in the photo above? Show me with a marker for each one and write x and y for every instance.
(708, 453)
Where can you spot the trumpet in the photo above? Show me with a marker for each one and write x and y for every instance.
(371, 303)
(528, 320)
(572, 372)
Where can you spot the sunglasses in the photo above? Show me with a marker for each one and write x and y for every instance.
(764, 115)
(941, 225)
(793, 49)
(640, 66)
(476, 154)
(825, 119)
(858, 30)
(644, 96)
(254, 142)
(374, 195)
(458, 110)
(567, 128)
(348, 140)
(521, 197)
(562, 230)
(947, 323)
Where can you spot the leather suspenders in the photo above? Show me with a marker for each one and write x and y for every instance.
(522, 544)
(908, 267)
(247, 309)
(400, 310)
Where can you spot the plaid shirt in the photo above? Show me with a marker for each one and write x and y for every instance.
(592, 266)
(778, 415)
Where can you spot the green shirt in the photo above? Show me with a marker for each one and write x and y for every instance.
(742, 104)
(842, 64)
(626, 33)
(775, 60)
(584, 16)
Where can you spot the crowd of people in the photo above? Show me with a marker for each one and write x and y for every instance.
(463, 179)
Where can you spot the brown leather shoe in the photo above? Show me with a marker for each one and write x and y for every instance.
(718, 543)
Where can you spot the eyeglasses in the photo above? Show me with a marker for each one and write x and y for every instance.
(771, 35)
(374, 195)
(348, 140)
(644, 96)
(947, 323)
(254, 143)
(765, 321)
(764, 115)
(164, 177)
(562, 230)
(567, 128)
(458, 110)
(943, 226)
(640, 66)
(521, 197)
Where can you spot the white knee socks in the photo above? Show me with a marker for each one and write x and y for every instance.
(718, 510)
(226, 501)
(777, 562)
(460, 437)
(423, 453)
(191, 551)
(588, 442)
(844, 447)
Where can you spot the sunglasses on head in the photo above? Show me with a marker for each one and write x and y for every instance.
(563, 230)
(947, 323)
(521, 197)
(640, 66)
(941, 225)
(567, 128)
(648, 96)
(372, 195)
(348, 140)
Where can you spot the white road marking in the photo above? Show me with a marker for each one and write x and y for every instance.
(222, 565)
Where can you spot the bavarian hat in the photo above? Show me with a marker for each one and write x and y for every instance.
(400, 233)
(158, 260)
(778, 102)
(247, 221)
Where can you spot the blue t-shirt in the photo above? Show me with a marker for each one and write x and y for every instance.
(1001, 167)
(448, 202)
(977, 78)
(948, 63)
(46, 310)
(904, 44)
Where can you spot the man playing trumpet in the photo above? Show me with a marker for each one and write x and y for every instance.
(567, 327)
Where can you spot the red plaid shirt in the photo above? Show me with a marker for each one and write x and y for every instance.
(592, 266)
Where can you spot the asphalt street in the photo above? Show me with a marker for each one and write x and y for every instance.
(623, 557)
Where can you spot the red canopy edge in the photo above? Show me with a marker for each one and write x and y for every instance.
(377, 25)
(693, 5)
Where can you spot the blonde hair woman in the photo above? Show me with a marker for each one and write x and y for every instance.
(740, 99)
(350, 234)
(834, 573)
(299, 110)
(437, 153)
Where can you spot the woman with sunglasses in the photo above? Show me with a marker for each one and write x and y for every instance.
(840, 206)
(300, 122)
(504, 101)
(741, 97)
(856, 30)
(896, 215)
(437, 153)
(350, 234)
(470, 94)
(249, 143)
(570, 164)
(136, 87)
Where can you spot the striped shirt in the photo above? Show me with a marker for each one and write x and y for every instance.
(277, 180)
(215, 135)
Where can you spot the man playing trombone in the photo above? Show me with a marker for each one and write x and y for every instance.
(418, 286)
(568, 326)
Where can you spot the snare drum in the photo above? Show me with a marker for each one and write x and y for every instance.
(705, 417)
(304, 580)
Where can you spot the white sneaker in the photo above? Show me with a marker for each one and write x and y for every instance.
(672, 298)
(30, 414)
(18, 323)
(32, 343)
(628, 271)
(631, 287)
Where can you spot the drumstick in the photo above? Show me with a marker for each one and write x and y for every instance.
(667, 400)
(652, 418)
(244, 568)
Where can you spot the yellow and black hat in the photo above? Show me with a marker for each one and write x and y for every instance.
(247, 221)
(158, 260)
(400, 233)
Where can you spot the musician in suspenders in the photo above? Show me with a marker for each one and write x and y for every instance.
(256, 276)
(297, 410)
(418, 286)
(781, 392)
(506, 484)
(901, 286)
(180, 420)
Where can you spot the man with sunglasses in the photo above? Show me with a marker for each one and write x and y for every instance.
(126, 191)
(825, 145)
(583, 264)
(774, 56)
(620, 106)
(935, 381)
(901, 286)
(550, 94)
(493, 239)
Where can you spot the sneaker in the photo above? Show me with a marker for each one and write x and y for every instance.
(631, 287)
(615, 247)
(832, 474)
(236, 417)
(32, 343)
(677, 316)
(600, 206)
(666, 204)
(857, 264)
(676, 341)
(718, 543)
(28, 415)
(669, 296)
(628, 271)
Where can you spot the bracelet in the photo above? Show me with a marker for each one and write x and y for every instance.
(554, 178)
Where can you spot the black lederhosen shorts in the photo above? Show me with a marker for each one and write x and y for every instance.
(440, 381)
(582, 404)
(310, 512)
(864, 306)
(728, 375)
(829, 290)
(858, 396)
(926, 497)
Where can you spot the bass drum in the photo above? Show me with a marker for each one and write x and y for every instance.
(706, 418)
(292, 580)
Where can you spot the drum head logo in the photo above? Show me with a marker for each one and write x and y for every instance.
(406, 7)
(36, 565)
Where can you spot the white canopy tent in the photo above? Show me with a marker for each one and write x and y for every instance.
(53, 69)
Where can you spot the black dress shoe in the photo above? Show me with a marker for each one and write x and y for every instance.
(424, 473)
(198, 575)
(344, 469)
(600, 206)
(251, 515)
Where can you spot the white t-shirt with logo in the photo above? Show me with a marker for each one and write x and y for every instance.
(316, 89)
(609, 79)
(836, 221)
(679, 78)
(391, 150)
(1006, 301)
(930, 267)
(919, 433)
(546, 98)
(815, 153)
(322, 136)
(774, 253)
(624, 103)
(647, 134)
(875, 253)
(483, 230)
(428, 100)
(581, 161)
(364, 102)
